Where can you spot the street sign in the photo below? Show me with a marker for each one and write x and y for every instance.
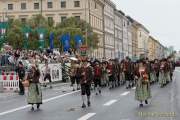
(83, 50)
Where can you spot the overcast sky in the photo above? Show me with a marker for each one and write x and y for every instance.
(160, 17)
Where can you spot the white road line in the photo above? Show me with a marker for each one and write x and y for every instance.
(26, 106)
(134, 88)
(177, 70)
(125, 93)
(87, 116)
(110, 102)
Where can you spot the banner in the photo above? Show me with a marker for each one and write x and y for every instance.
(65, 39)
(51, 40)
(55, 72)
(78, 41)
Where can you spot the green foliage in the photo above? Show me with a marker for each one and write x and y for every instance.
(73, 26)
(15, 35)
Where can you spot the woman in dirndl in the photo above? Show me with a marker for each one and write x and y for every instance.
(34, 90)
(162, 76)
(152, 72)
(142, 92)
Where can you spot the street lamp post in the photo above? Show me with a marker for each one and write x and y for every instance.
(41, 32)
(26, 31)
(3, 27)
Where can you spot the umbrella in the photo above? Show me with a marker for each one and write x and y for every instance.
(73, 58)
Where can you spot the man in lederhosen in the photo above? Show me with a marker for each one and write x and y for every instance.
(127, 71)
(97, 78)
(86, 79)
(156, 68)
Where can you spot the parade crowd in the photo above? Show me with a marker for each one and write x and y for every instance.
(87, 75)
(114, 73)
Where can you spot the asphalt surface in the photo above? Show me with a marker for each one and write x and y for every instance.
(61, 103)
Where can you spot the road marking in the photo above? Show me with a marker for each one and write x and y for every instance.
(125, 93)
(87, 116)
(26, 106)
(177, 70)
(110, 102)
(134, 88)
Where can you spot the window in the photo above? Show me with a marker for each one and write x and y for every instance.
(23, 6)
(36, 6)
(63, 18)
(10, 6)
(23, 20)
(76, 3)
(50, 5)
(78, 17)
(63, 4)
(95, 5)
(50, 20)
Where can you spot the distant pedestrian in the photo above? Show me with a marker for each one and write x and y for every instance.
(21, 73)
(47, 75)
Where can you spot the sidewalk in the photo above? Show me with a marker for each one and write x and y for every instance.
(8, 95)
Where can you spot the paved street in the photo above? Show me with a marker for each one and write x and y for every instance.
(118, 104)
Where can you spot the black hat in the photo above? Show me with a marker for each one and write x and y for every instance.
(20, 63)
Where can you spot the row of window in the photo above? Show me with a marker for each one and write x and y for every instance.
(49, 5)
(50, 19)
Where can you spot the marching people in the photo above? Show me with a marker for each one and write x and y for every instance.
(163, 79)
(152, 73)
(104, 78)
(73, 75)
(167, 71)
(127, 71)
(47, 75)
(20, 70)
(117, 72)
(156, 68)
(111, 74)
(77, 75)
(171, 67)
(122, 76)
(34, 89)
(86, 79)
(142, 92)
(97, 78)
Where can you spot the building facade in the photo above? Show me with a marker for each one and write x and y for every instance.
(151, 48)
(142, 39)
(125, 37)
(58, 10)
(129, 34)
(119, 34)
(109, 29)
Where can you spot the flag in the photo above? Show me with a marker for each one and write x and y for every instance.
(78, 40)
(65, 39)
(51, 40)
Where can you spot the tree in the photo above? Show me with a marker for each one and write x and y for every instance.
(15, 34)
(74, 26)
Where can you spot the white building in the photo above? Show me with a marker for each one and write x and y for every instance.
(119, 34)
(129, 32)
(109, 17)
(125, 37)
(142, 38)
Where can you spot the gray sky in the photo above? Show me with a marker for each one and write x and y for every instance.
(160, 17)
